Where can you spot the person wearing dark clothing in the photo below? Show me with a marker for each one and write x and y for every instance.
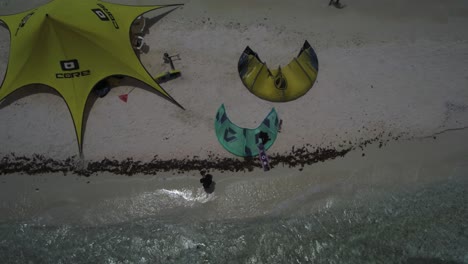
(102, 88)
(336, 3)
(207, 180)
(264, 137)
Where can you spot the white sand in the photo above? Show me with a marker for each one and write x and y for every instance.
(393, 66)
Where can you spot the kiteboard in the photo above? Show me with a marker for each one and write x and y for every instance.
(167, 76)
(263, 158)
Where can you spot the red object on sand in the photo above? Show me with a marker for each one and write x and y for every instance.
(123, 97)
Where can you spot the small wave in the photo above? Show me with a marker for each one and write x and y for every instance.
(200, 196)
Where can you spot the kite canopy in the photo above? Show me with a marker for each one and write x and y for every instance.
(243, 141)
(70, 45)
(281, 85)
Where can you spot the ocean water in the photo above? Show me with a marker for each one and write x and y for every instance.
(408, 225)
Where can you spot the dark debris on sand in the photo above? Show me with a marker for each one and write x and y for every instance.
(38, 164)
(297, 157)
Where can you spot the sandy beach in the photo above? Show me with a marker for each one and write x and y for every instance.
(379, 74)
(391, 97)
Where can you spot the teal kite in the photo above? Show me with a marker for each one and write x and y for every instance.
(244, 142)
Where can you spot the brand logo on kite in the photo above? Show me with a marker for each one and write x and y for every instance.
(23, 22)
(71, 65)
(100, 14)
(105, 15)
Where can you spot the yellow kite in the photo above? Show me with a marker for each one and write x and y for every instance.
(281, 85)
(70, 46)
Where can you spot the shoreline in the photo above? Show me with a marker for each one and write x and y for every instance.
(104, 197)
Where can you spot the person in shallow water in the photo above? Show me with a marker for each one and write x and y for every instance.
(207, 180)
(336, 3)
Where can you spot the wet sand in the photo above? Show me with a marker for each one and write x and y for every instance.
(105, 198)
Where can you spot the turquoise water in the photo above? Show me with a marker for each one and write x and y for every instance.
(422, 225)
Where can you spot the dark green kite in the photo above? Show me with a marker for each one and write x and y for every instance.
(243, 141)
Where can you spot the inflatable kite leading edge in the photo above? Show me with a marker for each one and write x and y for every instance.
(281, 85)
(70, 45)
(243, 141)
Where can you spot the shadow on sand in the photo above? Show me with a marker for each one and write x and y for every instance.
(33, 89)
